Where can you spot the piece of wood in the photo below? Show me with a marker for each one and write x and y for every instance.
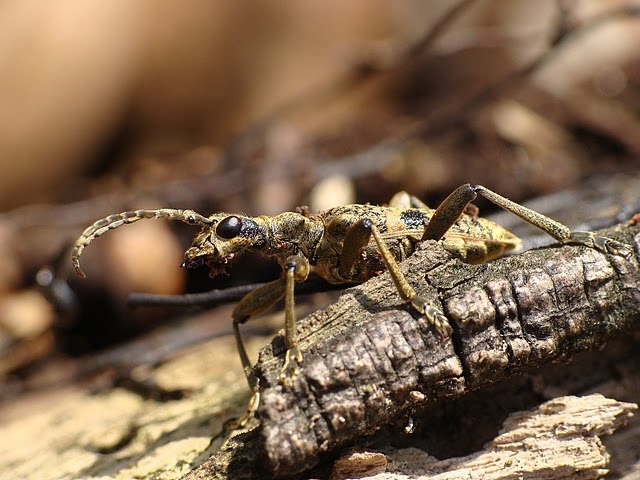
(558, 440)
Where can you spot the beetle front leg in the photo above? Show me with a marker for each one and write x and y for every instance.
(296, 270)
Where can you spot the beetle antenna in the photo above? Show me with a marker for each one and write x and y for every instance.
(112, 222)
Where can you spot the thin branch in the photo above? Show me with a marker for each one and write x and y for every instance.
(216, 297)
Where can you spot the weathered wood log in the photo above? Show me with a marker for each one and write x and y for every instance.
(368, 360)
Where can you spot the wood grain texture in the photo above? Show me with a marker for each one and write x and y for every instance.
(558, 440)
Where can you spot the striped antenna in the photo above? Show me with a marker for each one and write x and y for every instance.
(112, 222)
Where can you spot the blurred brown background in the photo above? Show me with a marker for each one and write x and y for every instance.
(215, 106)
(93, 87)
(262, 106)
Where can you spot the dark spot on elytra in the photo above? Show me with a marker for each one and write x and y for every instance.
(413, 218)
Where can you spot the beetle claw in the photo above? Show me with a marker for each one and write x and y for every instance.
(433, 314)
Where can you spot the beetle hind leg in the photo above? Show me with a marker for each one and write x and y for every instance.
(602, 244)
(451, 208)
(556, 229)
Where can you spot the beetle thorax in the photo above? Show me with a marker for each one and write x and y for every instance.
(291, 234)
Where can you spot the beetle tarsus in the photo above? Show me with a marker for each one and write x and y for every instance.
(433, 314)
(291, 367)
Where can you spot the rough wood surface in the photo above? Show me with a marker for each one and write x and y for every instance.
(87, 432)
(558, 440)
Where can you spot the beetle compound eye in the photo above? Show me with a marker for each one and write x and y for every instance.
(229, 227)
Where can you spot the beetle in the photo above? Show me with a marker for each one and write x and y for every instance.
(346, 244)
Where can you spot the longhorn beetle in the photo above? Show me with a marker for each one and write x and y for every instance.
(338, 243)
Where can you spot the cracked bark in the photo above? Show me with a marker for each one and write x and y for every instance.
(369, 361)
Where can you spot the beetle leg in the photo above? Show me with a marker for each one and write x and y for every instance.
(556, 229)
(355, 241)
(451, 208)
(603, 244)
(296, 270)
(252, 304)
(448, 212)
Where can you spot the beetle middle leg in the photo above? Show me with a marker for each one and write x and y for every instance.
(452, 207)
(356, 240)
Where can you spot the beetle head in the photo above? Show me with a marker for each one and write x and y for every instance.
(223, 239)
